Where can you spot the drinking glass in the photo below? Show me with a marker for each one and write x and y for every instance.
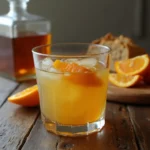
(72, 81)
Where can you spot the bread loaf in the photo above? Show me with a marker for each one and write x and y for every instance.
(122, 47)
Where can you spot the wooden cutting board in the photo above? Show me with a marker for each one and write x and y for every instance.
(134, 95)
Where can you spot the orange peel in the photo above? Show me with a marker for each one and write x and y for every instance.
(28, 97)
(124, 80)
(134, 66)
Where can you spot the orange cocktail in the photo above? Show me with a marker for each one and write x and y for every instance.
(72, 94)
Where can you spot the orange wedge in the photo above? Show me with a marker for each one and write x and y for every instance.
(78, 74)
(124, 80)
(84, 79)
(70, 67)
(147, 76)
(133, 66)
(28, 97)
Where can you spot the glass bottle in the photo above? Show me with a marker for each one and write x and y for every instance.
(19, 33)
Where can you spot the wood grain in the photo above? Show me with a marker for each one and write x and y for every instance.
(6, 88)
(127, 128)
(40, 139)
(116, 135)
(15, 123)
(134, 95)
(140, 117)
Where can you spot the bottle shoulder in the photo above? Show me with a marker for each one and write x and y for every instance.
(5, 20)
(10, 20)
(11, 27)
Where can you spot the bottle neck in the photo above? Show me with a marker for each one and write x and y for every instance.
(17, 8)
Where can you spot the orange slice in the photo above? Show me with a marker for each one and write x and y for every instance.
(70, 67)
(124, 80)
(133, 66)
(85, 79)
(28, 97)
(77, 74)
(147, 75)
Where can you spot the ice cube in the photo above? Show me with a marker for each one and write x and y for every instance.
(87, 62)
(71, 60)
(46, 64)
(67, 74)
(52, 74)
(51, 69)
(47, 61)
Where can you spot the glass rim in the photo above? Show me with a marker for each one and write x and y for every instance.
(34, 50)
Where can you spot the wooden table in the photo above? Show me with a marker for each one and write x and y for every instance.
(127, 127)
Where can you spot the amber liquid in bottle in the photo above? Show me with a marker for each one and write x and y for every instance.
(16, 55)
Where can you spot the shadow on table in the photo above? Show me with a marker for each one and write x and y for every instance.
(102, 139)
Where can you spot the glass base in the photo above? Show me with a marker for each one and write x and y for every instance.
(70, 130)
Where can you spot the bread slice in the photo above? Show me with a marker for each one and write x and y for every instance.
(122, 47)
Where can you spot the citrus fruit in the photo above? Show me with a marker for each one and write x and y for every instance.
(133, 66)
(124, 80)
(28, 97)
(147, 75)
(70, 67)
(77, 74)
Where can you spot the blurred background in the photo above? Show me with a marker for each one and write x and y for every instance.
(87, 20)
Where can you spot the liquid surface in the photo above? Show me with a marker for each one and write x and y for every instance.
(15, 54)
